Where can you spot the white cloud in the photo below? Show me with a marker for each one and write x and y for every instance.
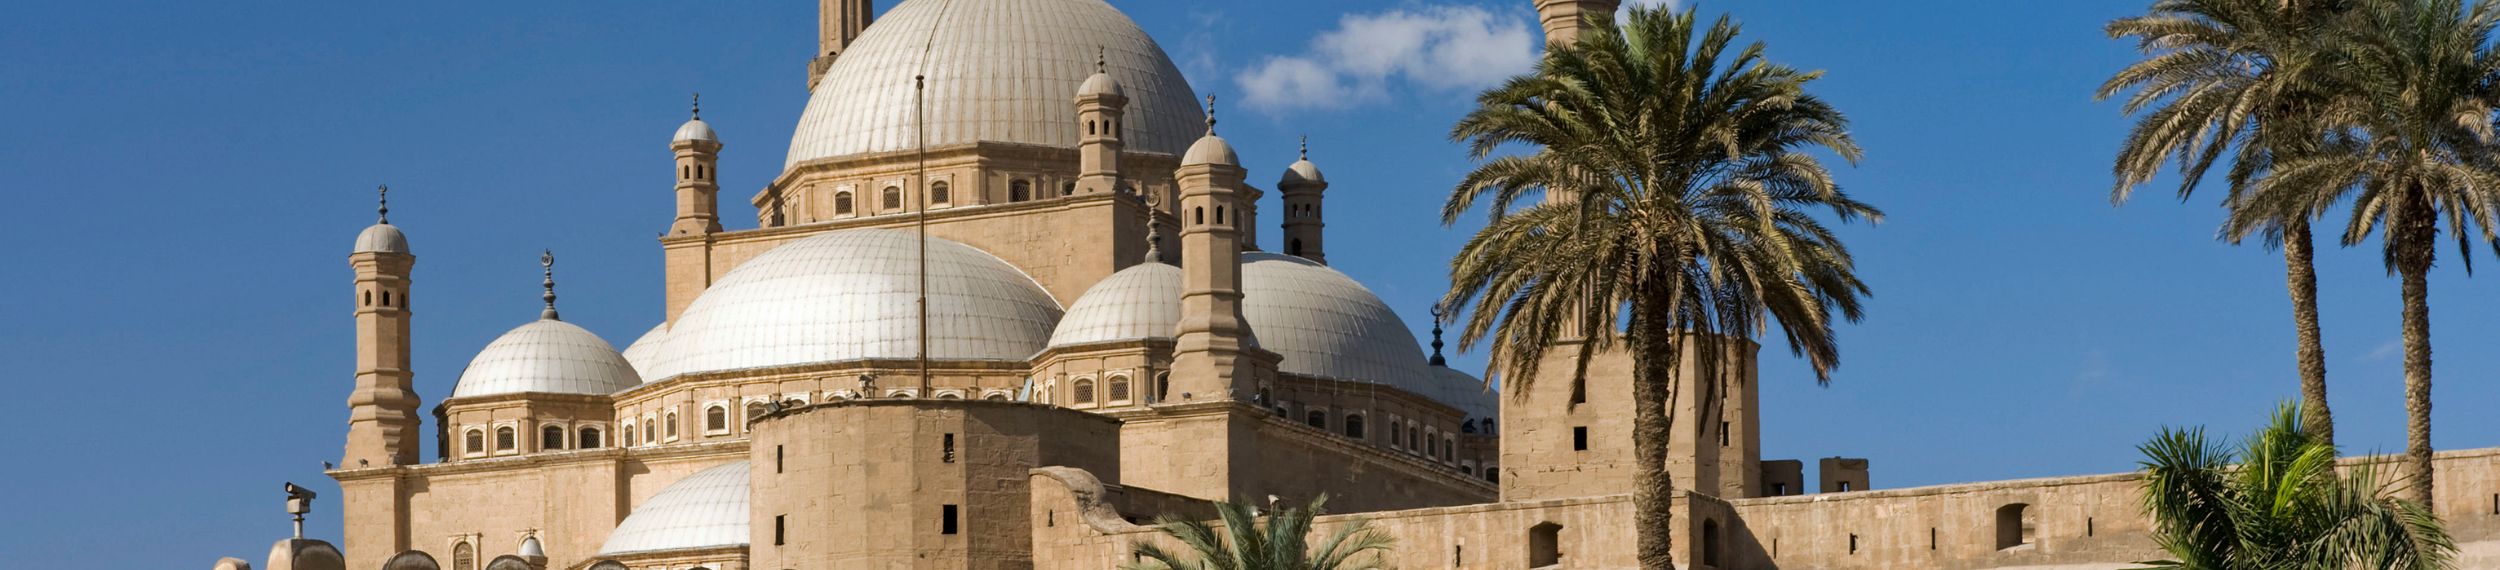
(1443, 48)
(2388, 349)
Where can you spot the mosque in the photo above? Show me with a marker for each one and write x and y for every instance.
(1004, 316)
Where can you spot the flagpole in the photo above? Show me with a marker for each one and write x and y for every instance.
(920, 119)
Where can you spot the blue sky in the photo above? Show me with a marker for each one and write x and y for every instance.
(185, 178)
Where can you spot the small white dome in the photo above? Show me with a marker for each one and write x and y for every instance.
(1302, 171)
(548, 356)
(851, 295)
(695, 130)
(381, 238)
(530, 548)
(998, 70)
(1101, 84)
(705, 510)
(645, 350)
(1141, 302)
(1211, 149)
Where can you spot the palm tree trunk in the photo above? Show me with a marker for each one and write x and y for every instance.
(1654, 357)
(2301, 275)
(2417, 336)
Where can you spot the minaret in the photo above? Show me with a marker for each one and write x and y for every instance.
(1302, 186)
(698, 175)
(382, 413)
(1208, 362)
(1099, 105)
(1565, 19)
(838, 23)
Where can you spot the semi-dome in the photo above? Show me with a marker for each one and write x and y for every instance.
(1141, 302)
(695, 130)
(851, 295)
(998, 70)
(705, 510)
(1327, 325)
(645, 350)
(548, 356)
(382, 238)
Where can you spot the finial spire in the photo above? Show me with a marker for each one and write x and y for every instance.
(384, 193)
(1306, 147)
(697, 106)
(1438, 314)
(1154, 238)
(547, 261)
(1210, 113)
(1102, 60)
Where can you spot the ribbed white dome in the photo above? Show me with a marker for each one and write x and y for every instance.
(998, 70)
(1211, 149)
(1302, 171)
(695, 130)
(1101, 84)
(851, 295)
(645, 350)
(705, 510)
(381, 238)
(547, 356)
(1327, 325)
(1141, 302)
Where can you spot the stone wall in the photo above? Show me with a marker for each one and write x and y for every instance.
(570, 499)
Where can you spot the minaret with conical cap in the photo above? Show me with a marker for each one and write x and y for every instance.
(382, 419)
(1302, 187)
(1100, 104)
(698, 175)
(1207, 361)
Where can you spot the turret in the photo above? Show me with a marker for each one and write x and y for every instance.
(1208, 360)
(1100, 102)
(1565, 20)
(698, 175)
(1302, 187)
(382, 412)
(838, 23)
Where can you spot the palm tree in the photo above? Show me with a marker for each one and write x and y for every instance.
(2415, 143)
(1688, 170)
(1280, 544)
(2282, 505)
(2237, 77)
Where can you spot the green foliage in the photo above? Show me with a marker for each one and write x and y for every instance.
(2278, 501)
(1280, 543)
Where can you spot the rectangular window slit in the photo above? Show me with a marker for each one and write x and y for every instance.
(779, 536)
(1580, 438)
(777, 459)
(946, 520)
(950, 448)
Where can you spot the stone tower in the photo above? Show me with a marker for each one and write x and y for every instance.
(1100, 103)
(1302, 187)
(1564, 19)
(1207, 362)
(382, 413)
(698, 176)
(838, 23)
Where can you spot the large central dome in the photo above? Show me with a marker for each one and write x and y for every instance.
(999, 70)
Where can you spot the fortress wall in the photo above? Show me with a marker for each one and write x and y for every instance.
(571, 499)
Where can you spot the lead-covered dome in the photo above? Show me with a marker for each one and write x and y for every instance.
(1141, 302)
(998, 70)
(646, 349)
(1327, 325)
(851, 295)
(705, 510)
(546, 356)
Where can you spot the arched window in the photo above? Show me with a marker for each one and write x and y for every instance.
(650, 431)
(1544, 545)
(368, 298)
(1449, 448)
(1067, 188)
(551, 438)
(505, 439)
(1317, 419)
(590, 439)
(629, 434)
(2014, 526)
(892, 200)
(1219, 215)
(463, 556)
(386, 298)
(716, 418)
(1294, 247)
(670, 425)
(685, 172)
(1198, 215)
(1354, 426)
(1119, 388)
(476, 441)
(1397, 434)
(1432, 446)
(754, 410)
(1084, 391)
(701, 172)
(940, 193)
(842, 203)
(1018, 191)
(1710, 542)
(1163, 386)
